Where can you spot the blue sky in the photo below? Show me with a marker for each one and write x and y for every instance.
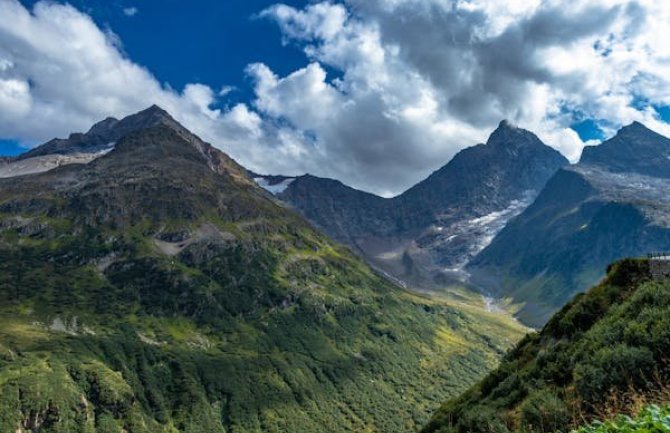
(182, 42)
(377, 93)
(10, 148)
(201, 41)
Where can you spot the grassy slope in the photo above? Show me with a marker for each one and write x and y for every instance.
(263, 325)
(350, 354)
(601, 354)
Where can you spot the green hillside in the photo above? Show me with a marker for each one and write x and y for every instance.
(158, 289)
(604, 353)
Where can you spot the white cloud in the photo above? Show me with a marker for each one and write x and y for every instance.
(14, 98)
(130, 11)
(447, 71)
(390, 91)
(323, 20)
(60, 73)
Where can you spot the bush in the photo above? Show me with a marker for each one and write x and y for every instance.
(613, 368)
(482, 420)
(544, 412)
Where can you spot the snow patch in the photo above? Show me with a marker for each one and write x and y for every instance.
(276, 188)
(479, 232)
(41, 164)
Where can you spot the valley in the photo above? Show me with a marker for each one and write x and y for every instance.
(334, 216)
(157, 288)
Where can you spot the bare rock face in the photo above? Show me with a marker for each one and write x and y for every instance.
(40, 164)
(635, 149)
(429, 233)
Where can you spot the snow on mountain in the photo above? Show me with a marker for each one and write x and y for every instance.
(272, 186)
(44, 163)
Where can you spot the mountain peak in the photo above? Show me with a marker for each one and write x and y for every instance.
(147, 118)
(154, 111)
(508, 135)
(506, 124)
(635, 148)
(635, 128)
(103, 126)
(105, 133)
(142, 119)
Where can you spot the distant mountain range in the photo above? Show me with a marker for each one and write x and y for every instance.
(615, 203)
(148, 284)
(509, 217)
(427, 235)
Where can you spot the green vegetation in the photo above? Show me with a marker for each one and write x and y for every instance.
(149, 292)
(604, 353)
(249, 335)
(652, 420)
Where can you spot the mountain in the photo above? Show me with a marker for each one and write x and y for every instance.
(476, 193)
(344, 213)
(635, 149)
(157, 288)
(613, 204)
(83, 148)
(105, 134)
(605, 353)
(427, 234)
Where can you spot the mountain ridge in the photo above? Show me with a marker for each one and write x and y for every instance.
(157, 288)
(634, 148)
(610, 205)
(438, 224)
(103, 133)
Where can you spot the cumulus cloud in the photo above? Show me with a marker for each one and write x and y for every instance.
(390, 90)
(469, 63)
(60, 73)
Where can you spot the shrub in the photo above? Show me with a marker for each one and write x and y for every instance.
(482, 420)
(613, 368)
(544, 412)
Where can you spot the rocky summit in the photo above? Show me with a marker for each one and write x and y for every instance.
(428, 234)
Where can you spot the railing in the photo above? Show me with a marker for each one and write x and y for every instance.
(659, 265)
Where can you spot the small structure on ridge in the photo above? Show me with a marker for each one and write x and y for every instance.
(659, 265)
